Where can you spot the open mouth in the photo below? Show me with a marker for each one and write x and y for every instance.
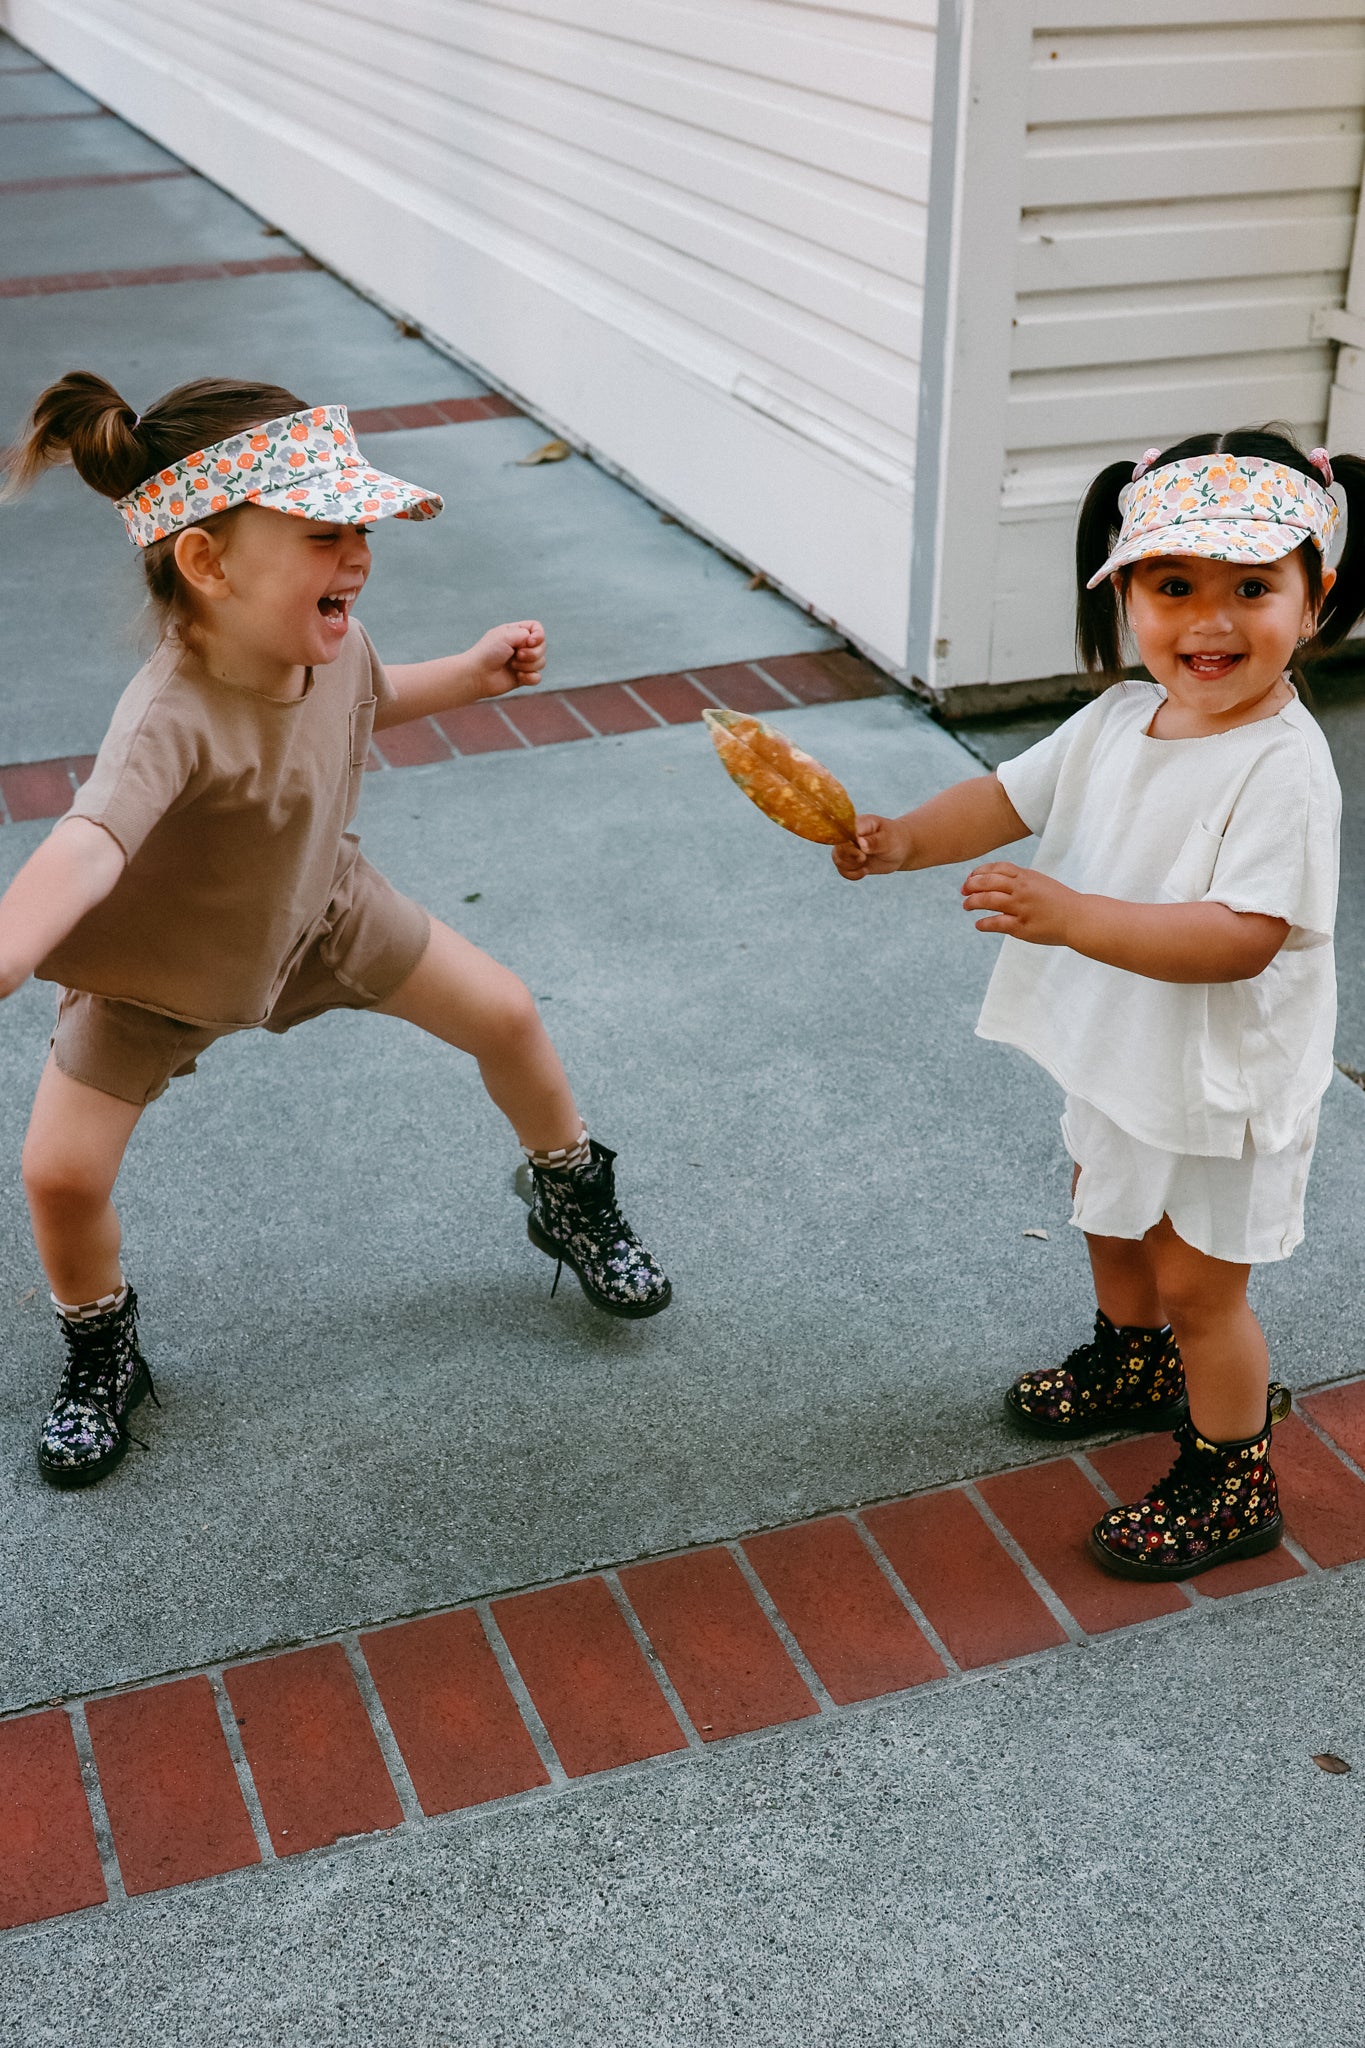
(337, 605)
(1210, 667)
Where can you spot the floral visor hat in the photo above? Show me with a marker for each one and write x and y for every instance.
(306, 463)
(1230, 507)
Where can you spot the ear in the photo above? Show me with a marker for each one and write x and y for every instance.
(199, 559)
(1310, 623)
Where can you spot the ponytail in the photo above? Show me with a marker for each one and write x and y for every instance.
(1345, 601)
(82, 420)
(1099, 612)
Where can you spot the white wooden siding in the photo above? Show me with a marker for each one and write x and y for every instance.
(692, 235)
(1182, 211)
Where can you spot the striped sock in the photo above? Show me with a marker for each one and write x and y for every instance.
(85, 1311)
(563, 1156)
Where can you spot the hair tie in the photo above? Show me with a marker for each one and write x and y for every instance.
(1322, 463)
(1144, 462)
(137, 422)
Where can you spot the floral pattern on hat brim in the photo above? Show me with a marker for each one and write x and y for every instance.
(1228, 508)
(305, 463)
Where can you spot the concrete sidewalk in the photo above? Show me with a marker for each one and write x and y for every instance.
(372, 1407)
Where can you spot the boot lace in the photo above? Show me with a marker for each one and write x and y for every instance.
(93, 1359)
(1186, 1482)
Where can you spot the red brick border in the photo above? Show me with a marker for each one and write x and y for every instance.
(210, 1772)
(166, 273)
(69, 114)
(43, 789)
(73, 181)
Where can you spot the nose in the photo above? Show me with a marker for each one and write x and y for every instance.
(1212, 614)
(356, 554)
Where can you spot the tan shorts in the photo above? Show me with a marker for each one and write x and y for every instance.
(372, 939)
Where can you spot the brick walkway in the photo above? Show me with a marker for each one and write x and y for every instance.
(183, 1780)
(43, 789)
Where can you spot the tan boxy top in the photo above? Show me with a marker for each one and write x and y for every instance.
(232, 809)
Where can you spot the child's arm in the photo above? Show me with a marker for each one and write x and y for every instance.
(1164, 941)
(74, 869)
(960, 823)
(508, 658)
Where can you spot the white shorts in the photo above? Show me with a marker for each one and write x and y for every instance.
(1247, 1211)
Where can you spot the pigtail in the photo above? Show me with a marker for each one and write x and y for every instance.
(1346, 600)
(1099, 615)
(81, 420)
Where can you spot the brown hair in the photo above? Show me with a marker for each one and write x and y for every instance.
(82, 420)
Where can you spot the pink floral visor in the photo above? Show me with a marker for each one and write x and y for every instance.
(306, 464)
(1232, 509)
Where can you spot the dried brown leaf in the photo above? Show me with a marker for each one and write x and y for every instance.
(548, 451)
(1336, 1766)
(787, 785)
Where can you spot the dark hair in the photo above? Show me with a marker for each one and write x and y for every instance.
(82, 420)
(1100, 612)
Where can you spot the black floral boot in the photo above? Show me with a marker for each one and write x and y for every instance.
(574, 1218)
(1128, 1378)
(86, 1432)
(1217, 1502)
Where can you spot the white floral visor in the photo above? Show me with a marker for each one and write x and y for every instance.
(1234, 509)
(306, 463)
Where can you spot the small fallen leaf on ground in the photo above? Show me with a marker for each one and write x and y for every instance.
(1037, 1233)
(667, 519)
(27, 1295)
(272, 231)
(474, 896)
(758, 581)
(790, 787)
(408, 330)
(1336, 1766)
(548, 451)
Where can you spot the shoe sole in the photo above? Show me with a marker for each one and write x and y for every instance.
(69, 1478)
(634, 1311)
(1134, 1421)
(1253, 1545)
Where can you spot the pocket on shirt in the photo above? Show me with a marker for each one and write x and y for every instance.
(1188, 878)
(362, 730)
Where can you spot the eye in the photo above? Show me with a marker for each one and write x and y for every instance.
(1174, 586)
(1252, 586)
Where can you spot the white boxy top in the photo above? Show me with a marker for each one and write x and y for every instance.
(1249, 818)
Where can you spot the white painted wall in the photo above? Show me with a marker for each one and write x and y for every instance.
(1156, 208)
(699, 236)
(689, 232)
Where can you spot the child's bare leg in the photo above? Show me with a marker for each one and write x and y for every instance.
(76, 1140)
(1125, 1282)
(472, 1002)
(1125, 1279)
(1226, 1364)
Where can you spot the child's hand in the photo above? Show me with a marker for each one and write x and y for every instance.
(883, 847)
(509, 658)
(1021, 903)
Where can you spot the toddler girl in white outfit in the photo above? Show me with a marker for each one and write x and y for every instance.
(1168, 956)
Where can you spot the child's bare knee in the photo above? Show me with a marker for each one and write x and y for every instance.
(518, 1018)
(61, 1181)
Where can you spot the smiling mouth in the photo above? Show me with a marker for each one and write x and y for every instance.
(1211, 666)
(337, 605)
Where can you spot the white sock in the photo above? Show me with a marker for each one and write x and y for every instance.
(577, 1154)
(84, 1311)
